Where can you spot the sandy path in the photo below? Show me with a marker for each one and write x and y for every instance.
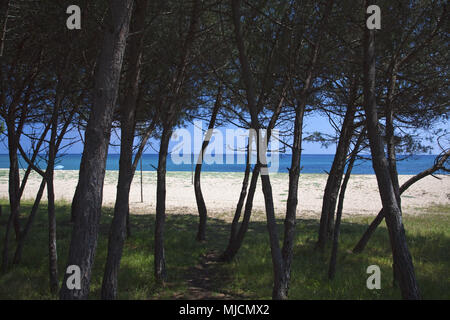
(221, 191)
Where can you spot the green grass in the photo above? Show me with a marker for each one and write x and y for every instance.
(250, 274)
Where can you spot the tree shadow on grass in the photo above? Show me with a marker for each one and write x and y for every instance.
(193, 272)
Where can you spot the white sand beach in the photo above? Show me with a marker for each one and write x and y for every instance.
(221, 191)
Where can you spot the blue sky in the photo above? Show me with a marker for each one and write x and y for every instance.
(312, 123)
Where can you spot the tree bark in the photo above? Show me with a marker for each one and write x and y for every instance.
(118, 231)
(227, 255)
(26, 230)
(202, 211)
(13, 188)
(168, 117)
(237, 236)
(337, 226)
(391, 154)
(52, 249)
(75, 203)
(292, 201)
(160, 260)
(92, 170)
(401, 256)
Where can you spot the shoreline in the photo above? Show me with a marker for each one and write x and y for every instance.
(225, 172)
(221, 191)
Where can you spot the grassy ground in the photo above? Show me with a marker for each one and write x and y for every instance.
(192, 274)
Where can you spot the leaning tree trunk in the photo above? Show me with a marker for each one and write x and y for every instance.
(401, 256)
(34, 209)
(234, 245)
(439, 164)
(337, 226)
(391, 155)
(118, 231)
(226, 255)
(160, 260)
(26, 229)
(92, 169)
(237, 236)
(202, 212)
(390, 138)
(334, 179)
(337, 170)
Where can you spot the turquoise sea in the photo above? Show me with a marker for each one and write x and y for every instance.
(311, 163)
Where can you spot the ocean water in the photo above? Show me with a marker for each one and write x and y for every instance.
(311, 163)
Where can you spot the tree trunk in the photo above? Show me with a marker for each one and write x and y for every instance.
(226, 255)
(337, 226)
(277, 259)
(92, 170)
(52, 250)
(401, 256)
(75, 203)
(278, 292)
(237, 237)
(261, 164)
(392, 161)
(370, 230)
(169, 119)
(202, 212)
(282, 278)
(292, 201)
(118, 231)
(26, 230)
(14, 187)
(128, 224)
(337, 170)
(49, 176)
(160, 260)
